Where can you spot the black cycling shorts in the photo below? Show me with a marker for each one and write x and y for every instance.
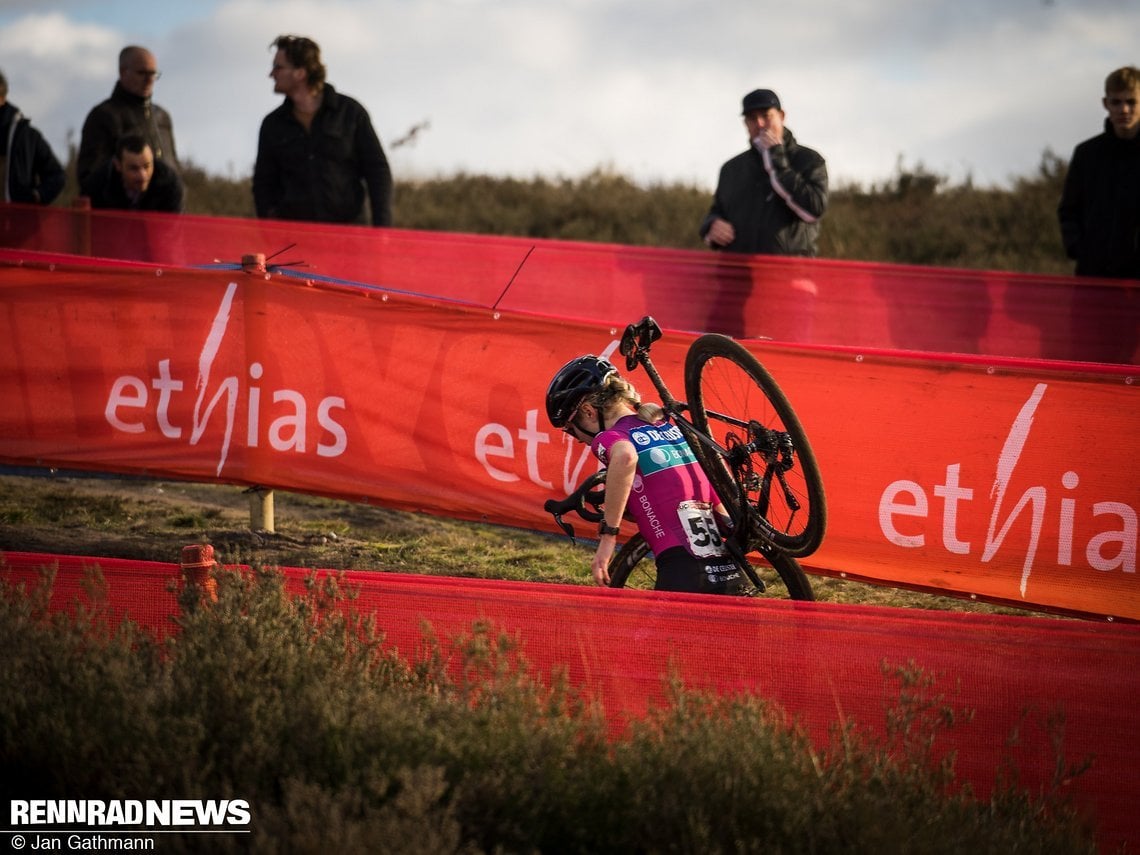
(677, 570)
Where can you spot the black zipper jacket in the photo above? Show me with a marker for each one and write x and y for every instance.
(320, 175)
(774, 206)
(1100, 206)
(32, 172)
(122, 114)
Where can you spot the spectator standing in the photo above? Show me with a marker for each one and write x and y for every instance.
(317, 152)
(769, 199)
(129, 110)
(1099, 215)
(134, 180)
(31, 171)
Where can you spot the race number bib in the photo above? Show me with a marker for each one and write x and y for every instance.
(699, 523)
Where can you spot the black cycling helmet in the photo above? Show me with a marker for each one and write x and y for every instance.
(573, 382)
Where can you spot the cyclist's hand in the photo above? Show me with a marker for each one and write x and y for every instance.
(600, 567)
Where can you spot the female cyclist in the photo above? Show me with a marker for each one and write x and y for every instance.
(650, 472)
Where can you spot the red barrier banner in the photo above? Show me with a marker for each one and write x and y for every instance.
(1010, 481)
(809, 301)
(1046, 695)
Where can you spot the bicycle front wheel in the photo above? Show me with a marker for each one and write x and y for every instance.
(760, 462)
(778, 574)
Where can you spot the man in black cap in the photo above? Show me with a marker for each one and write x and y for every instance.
(769, 199)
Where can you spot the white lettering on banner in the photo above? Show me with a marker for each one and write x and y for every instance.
(905, 498)
(495, 440)
(1010, 454)
(288, 432)
(571, 479)
(533, 437)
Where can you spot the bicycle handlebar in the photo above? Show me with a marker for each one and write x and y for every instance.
(586, 501)
(636, 339)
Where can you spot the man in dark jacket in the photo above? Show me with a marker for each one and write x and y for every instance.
(134, 180)
(1099, 216)
(129, 110)
(769, 198)
(30, 170)
(317, 152)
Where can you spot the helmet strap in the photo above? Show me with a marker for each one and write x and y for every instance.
(601, 424)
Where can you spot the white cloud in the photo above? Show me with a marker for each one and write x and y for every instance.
(649, 88)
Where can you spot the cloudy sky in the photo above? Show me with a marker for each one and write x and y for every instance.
(649, 89)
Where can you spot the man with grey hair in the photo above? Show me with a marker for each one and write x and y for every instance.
(129, 110)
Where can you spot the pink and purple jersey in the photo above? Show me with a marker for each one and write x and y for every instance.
(672, 500)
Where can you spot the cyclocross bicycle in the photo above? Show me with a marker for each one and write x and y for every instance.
(751, 445)
(633, 565)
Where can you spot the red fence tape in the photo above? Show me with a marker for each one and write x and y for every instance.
(808, 301)
(1009, 480)
(822, 663)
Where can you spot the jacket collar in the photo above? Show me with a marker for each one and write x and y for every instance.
(121, 94)
(329, 99)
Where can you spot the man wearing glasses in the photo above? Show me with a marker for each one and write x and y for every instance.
(129, 110)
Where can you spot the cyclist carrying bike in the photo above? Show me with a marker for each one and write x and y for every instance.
(651, 472)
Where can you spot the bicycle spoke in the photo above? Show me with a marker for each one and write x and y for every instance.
(756, 440)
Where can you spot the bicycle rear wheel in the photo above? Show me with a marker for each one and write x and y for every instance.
(763, 463)
(632, 567)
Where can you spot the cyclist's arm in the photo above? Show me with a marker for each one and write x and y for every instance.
(723, 520)
(621, 466)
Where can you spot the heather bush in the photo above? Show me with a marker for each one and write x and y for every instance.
(914, 217)
(293, 703)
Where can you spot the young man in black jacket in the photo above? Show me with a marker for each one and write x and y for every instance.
(317, 152)
(1099, 216)
(134, 180)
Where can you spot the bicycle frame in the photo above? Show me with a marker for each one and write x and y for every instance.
(775, 446)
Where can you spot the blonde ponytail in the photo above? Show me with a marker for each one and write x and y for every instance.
(617, 390)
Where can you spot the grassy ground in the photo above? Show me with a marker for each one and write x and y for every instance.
(152, 520)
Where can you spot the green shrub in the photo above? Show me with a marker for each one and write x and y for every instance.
(294, 704)
(915, 217)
